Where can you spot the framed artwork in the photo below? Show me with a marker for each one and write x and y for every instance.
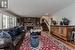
(3, 3)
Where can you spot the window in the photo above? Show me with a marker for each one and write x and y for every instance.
(5, 21)
(15, 21)
(12, 21)
(0, 20)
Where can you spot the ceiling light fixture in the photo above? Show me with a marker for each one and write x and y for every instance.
(46, 14)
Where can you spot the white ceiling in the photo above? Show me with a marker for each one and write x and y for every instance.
(33, 8)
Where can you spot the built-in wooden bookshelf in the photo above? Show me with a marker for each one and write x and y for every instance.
(29, 22)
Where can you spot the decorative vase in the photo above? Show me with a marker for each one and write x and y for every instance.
(54, 22)
(61, 23)
(65, 21)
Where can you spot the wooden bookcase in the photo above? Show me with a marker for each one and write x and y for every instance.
(29, 22)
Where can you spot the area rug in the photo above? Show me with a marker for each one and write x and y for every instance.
(46, 43)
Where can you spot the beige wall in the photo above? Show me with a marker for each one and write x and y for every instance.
(68, 12)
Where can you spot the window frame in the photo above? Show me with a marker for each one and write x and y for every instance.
(6, 21)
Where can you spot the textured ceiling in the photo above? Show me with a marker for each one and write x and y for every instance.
(35, 8)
